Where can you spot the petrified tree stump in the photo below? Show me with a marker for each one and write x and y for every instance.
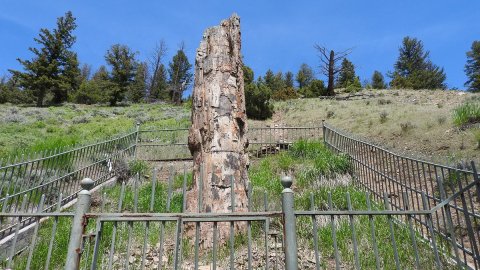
(217, 137)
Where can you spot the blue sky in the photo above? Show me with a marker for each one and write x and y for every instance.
(276, 34)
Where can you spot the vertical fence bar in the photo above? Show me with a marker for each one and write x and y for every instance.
(83, 206)
(392, 233)
(449, 221)
(431, 231)
(289, 226)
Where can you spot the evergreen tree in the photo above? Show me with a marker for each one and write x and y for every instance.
(9, 92)
(159, 89)
(315, 89)
(472, 68)
(138, 88)
(289, 79)
(378, 82)
(304, 76)
(346, 75)
(269, 79)
(124, 66)
(257, 96)
(158, 84)
(54, 68)
(95, 90)
(414, 70)
(180, 75)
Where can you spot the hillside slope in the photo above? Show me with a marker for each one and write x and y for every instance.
(415, 123)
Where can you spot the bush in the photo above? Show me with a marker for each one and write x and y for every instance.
(257, 101)
(467, 113)
(355, 86)
(315, 89)
(383, 117)
(406, 126)
(285, 94)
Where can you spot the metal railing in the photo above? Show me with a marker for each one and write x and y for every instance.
(172, 144)
(146, 232)
(453, 193)
(59, 171)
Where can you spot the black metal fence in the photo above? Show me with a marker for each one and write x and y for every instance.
(171, 144)
(453, 194)
(59, 171)
(143, 225)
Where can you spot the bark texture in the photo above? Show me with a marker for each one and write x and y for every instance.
(217, 137)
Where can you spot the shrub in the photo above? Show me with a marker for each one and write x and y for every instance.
(406, 126)
(257, 101)
(315, 89)
(384, 101)
(330, 114)
(383, 117)
(285, 94)
(80, 119)
(138, 166)
(467, 113)
(477, 139)
(441, 120)
(14, 118)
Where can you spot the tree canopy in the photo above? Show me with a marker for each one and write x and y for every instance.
(54, 68)
(414, 70)
(472, 68)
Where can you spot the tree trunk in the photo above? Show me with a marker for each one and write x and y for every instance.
(331, 74)
(217, 137)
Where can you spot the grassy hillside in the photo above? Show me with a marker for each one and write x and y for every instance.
(27, 129)
(416, 123)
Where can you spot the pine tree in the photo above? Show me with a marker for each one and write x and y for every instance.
(257, 96)
(158, 84)
(137, 91)
(346, 75)
(54, 68)
(180, 75)
(124, 66)
(159, 89)
(304, 76)
(378, 82)
(95, 90)
(414, 70)
(289, 79)
(472, 68)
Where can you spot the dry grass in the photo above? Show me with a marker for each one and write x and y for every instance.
(420, 123)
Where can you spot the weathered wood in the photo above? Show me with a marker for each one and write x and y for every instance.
(217, 137)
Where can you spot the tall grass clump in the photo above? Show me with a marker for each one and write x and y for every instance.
(325, 161)
(467, 113)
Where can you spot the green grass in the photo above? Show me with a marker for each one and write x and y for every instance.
(24, 130)
(467, 113)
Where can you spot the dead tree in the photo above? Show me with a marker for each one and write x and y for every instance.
(155, 62)
(329, 64)
(217, 138)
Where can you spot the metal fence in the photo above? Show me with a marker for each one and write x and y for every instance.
(24, 180)
(453, 194)
(143, 225)
(171, 144)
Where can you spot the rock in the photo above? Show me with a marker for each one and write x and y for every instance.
(217, 138)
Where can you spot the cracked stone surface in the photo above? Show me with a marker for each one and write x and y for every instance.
(217, 137)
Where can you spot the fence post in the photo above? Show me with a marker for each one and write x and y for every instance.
(83, 206)
(289, 228)
(324, 131)
(137, 134)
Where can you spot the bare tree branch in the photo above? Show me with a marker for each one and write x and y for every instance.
(329, 63)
